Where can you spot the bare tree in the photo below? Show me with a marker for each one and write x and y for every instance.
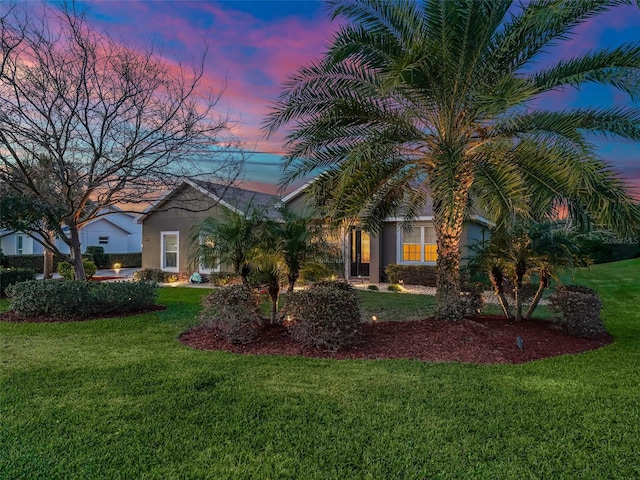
(103, 123)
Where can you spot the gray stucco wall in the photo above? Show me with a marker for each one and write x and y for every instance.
(186, 208)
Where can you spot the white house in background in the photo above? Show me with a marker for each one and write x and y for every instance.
(116, 232)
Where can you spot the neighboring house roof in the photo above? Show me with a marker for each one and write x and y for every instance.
(109, 221)
(235, 199)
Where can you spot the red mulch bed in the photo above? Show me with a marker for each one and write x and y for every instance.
(11, 316)
(482, 340)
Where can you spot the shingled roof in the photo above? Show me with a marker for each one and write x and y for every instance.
(234, 198)
(239, 198)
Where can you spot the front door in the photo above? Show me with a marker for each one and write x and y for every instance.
(360, 253)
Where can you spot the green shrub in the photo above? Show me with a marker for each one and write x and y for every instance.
(3, 260)
(326, 315)
(394, 288)
(99, 257)
(34, 262)
(10, 276)
(126, 260)
(67, 271)
(221, 279)
(373, 287)
(232, 311)
(472, 299)
(411, 274)
(80, 299)
(155, 275)
(578, 310)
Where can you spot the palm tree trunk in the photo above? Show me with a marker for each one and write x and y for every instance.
(497, 280)
(274, 293)
(292, 277)
(542, 286)
(448, 301)
(448, 218)
(521, 269)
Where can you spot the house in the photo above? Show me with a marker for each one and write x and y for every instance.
(168, 230)
(167, 226)
(367, 256)
(115, 230)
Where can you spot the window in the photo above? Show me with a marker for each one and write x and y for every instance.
(419, 244)
(19, 244)
(169, 251)
(103, 240)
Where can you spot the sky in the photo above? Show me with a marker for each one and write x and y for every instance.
(254, 45)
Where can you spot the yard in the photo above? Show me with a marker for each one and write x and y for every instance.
(123, 398)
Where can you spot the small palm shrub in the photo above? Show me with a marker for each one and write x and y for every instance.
(325, 316)
(233, 311)
(9, 276)
(578, 310)
(80, 299)
(66, 270)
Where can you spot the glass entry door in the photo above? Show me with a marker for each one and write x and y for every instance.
(360, 253)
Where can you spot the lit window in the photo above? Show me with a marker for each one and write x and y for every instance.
(419, 244)
(103, 240)
(19, 245)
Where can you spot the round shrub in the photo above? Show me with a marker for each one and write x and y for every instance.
(394, 288)
(326, 316)
(373, 287)
(578, 310)
(232, 310)
(66, 270)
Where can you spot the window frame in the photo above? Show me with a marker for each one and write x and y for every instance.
(100, 237)
(400, 245)
(163, 236)
(20, 244)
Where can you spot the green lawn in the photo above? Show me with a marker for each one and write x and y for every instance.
(122, 398)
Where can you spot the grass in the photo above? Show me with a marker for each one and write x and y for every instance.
(122, 398)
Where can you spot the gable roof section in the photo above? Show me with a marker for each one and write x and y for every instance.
(235, 199)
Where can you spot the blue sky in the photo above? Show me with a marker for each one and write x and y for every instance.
(254, 45)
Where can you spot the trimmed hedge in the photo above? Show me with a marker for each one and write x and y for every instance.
(411, 274)
(601, 252)
(11, 276)
(80, 299)
(126, 260)
(34, 262)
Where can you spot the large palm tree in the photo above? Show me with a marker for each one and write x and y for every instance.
(435, 99)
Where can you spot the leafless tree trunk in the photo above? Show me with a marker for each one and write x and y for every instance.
(47, 265)
(103, 123)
